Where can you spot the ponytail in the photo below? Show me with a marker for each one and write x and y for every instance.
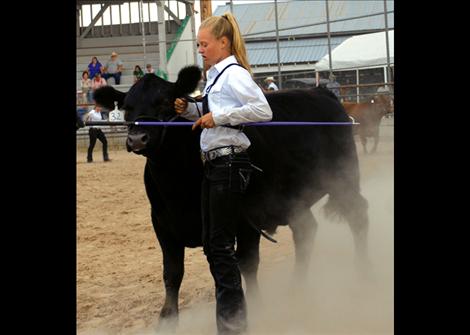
(226, 25)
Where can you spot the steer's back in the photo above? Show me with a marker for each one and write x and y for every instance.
(301, 163)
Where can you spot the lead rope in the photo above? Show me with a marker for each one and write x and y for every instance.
(194, 101)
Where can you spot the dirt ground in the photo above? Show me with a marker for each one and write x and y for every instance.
(119, 262)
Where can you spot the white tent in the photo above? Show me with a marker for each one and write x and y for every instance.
(368, 50)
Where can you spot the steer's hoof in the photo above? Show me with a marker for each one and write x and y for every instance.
(167, 322)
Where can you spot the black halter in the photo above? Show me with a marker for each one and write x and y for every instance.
(162, 136)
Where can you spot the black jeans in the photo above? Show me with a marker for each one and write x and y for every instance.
(96, 133)
(225, 180)
(116, 76)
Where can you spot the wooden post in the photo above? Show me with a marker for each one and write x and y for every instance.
(206, 11)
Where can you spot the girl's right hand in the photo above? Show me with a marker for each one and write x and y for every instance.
(180, 105)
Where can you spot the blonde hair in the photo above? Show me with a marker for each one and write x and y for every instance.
(227, 26)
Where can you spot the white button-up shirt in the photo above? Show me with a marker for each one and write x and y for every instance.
(234, 99)
(273, 87)
(93, 115)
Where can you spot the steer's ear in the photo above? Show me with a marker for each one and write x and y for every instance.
(106, 95)
(188, 79)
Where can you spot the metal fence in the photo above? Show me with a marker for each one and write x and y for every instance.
(356, 85)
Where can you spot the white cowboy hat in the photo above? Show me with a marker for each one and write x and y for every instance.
(269, 78)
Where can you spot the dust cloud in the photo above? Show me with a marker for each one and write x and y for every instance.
(335, 297)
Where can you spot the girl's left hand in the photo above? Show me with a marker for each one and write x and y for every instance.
(206, 121)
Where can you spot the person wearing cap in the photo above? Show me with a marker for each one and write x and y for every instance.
(113, 68)
(271, 85)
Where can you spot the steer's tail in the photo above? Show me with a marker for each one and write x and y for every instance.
(348, 206)
(343, 181)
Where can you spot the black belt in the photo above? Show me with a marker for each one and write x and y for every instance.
(219, 152)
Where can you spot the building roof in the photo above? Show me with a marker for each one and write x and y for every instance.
(305, 44)
(291, 51)
(259, 17)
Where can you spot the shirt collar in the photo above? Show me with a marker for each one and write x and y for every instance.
(221, 65)
(229, 60)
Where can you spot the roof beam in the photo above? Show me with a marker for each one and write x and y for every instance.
(168, 10)
(93, 22)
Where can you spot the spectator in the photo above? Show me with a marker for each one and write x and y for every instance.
(86, 88)
(333, 85)
(138, 73)
(113, 68)
(94, 67)
(149, 69)
(97, 82)
(383, 89)
(95, 132)
(271, 85)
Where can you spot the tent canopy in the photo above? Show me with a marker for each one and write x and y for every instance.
(360, 51)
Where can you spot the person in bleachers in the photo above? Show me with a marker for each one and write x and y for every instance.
(94, 67)
(86, 88)
(113, 68)
(97, 82)
(149, 69)
(138, 73)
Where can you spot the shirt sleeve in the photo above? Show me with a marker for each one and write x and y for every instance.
(191, 112)
(254, 106)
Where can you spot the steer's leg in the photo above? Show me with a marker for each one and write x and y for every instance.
(363, 139)
(376, 142)
(358, 220)
(304, 227)
(173, 271)
(248, 257)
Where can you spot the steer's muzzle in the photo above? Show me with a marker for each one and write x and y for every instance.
(137, 142)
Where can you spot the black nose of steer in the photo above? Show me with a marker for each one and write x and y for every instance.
(137, 142)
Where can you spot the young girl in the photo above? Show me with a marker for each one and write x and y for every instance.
(86, 88)
(138, 73)
(231, 98)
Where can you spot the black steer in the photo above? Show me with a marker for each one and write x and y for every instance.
(300, 164)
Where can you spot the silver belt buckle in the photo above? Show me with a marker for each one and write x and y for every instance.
(213, 154)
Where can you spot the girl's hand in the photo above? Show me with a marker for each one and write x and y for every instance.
(180, 105)
(206, 121)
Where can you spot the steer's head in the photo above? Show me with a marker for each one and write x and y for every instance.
(149, 99)
(384, 103)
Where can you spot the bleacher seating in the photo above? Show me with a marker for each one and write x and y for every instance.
(130, 50)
